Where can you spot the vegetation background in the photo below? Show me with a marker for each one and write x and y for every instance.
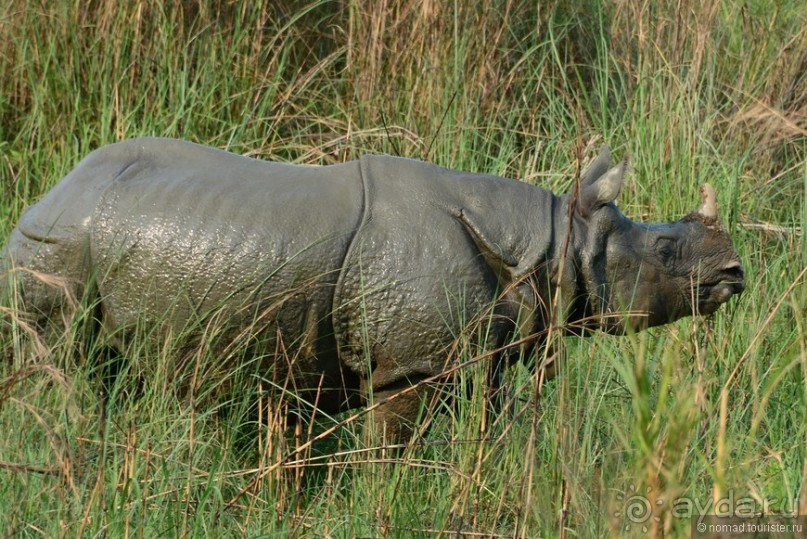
(635, 435)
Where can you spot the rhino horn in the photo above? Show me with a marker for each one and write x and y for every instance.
(708, 207)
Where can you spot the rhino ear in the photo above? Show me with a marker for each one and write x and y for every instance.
(603, 189)
(598, 167)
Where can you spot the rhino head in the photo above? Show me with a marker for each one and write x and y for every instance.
(631, 276)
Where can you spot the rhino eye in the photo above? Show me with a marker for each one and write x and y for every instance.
(665, 248)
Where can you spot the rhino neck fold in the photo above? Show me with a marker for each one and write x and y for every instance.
(571, 274)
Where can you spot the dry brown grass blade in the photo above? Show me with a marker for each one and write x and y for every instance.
(59, 446)
(770, 227)
(775, 125)
(19, 320)
(361, 413)
(28, 468)
(63, 285)
(720, 458)
(55, 374)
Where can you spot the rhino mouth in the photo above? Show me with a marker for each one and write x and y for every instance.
(711, 295)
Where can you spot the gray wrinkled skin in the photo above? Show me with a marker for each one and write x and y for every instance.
(368, 270)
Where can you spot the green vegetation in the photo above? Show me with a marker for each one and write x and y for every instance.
(699, 411)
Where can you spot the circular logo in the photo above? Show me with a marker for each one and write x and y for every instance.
(637, 508)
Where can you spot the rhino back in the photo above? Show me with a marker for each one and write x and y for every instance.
(185, 232)
(415, 276)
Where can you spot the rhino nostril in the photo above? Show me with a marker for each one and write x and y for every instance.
(733, 274)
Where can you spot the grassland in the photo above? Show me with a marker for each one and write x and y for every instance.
(685, 416)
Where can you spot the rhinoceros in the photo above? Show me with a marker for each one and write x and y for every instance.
(367, 271)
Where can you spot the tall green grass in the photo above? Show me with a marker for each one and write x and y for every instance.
(698, 411)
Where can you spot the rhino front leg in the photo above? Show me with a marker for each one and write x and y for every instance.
(396, 411)
(549, 359)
